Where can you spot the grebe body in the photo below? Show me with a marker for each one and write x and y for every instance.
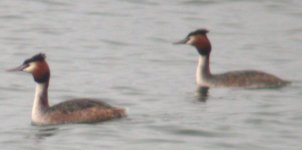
(244, 78)
(71, 111)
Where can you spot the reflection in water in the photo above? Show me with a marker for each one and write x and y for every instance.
(202, 93)
(47, 131)
(39, 134)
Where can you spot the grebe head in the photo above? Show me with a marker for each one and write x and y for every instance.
(199, 40)
(37, 66)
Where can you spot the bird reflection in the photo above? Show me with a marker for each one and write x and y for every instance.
(45, 132)
(202, 94)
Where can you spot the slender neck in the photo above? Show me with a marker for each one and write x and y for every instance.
(203, 68)
(41, 98)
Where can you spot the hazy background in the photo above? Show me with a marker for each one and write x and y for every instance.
(121, 52)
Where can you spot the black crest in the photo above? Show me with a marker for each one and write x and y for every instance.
(199, 31)
(37, 57)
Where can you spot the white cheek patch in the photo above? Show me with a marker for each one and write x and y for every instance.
(191, 40)
(31, 67)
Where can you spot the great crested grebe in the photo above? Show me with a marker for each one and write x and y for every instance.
(72, 111)
(245, 78)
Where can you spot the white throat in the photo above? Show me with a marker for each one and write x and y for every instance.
(203, 70)
(40, 101)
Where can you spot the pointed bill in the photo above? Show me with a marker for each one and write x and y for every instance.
(184, 41)
(19, 68)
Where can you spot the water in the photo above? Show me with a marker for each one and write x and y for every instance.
(121, 52)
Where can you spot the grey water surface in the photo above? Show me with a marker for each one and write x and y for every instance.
(121, 52)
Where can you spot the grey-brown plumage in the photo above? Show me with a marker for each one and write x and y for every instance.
(73, 105)
(248, 79)
(82, 111)
(204, 77)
